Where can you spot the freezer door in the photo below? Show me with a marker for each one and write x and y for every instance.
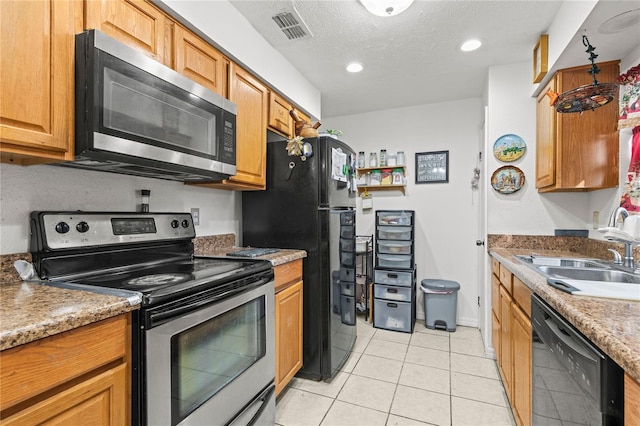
(336, 162)
(342, 312)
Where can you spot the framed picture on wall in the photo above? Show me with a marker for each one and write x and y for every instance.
(432, 167)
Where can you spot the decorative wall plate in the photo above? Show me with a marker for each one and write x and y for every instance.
(509, 148)
(507, 179)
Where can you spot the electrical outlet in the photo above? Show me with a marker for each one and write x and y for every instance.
(195, 213)
(596, 219)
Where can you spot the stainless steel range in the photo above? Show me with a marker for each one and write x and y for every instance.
(203, 340)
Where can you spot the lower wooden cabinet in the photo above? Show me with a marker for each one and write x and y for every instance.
(522, 365)
(78, 377)
(631, 401)
(288, 284)
(511, 336)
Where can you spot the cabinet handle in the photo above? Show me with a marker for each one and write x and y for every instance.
(392, 305)
(392, 290)
(392, 275)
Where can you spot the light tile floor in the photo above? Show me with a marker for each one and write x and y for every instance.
(429, 377)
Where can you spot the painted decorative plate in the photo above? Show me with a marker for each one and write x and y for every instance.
(509, 148)
(507, 179)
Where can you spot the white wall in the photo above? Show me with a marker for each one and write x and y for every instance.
(446, 213)
(220, 22)
(26, 189)
(526, 212)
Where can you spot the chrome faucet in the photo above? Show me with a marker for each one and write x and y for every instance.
(628, 260)
(620, 211)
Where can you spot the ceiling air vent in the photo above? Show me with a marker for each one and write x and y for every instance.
(292, 25)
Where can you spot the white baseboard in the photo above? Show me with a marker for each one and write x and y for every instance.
(465, 322)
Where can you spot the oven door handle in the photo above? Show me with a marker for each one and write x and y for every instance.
(257, 406)
(157, 318)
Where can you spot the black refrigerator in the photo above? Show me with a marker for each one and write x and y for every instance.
(310, 205)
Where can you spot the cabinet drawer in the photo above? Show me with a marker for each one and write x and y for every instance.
(403, 218)
(347, 244)
(347, 258)
(506, 278)
(348, 310)
(495, 267)
(389, 292)
(392, 315)
(522, 295)
(347, 231)
(404, 279)
(395, 261)
(287, 274)
(36, 367)
(395, 232)
(347, 274)
(348, 289)
(394, 247)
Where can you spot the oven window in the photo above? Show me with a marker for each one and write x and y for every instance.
(206, 357)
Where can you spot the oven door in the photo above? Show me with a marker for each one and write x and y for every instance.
(214, 363)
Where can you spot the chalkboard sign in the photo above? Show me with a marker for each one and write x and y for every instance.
(432, 167)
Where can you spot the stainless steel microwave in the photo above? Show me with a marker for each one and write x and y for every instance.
(136, 116)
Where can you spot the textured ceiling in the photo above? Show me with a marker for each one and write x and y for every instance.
(409, 59)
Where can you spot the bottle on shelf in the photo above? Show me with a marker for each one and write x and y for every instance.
(383, 158)
(361, 160)
(400, 158)
(373, 160)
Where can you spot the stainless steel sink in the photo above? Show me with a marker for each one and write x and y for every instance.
(590, 274)
(561, 262)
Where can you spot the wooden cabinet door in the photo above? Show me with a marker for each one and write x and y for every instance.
(631, 401)
(288, 334)
(101, 400)
(506, 349)
(588, 154)
(37, 80)
(197, 60)
(522, 360)
(251, 97)
(136, 23)
(545, 138)
(279, 118)
(495, 337)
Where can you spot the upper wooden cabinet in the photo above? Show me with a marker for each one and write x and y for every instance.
(280, 120)
(577, 151)
(251, 98)
(199, 61)
(37, 80)
(136, 23)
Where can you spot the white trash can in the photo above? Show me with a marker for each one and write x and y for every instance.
(440, 303)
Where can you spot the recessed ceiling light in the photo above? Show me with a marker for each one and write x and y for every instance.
(354, 67)
(470, 45)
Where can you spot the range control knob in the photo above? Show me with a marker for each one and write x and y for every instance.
(175, 223)
(62, 227)
(82, 227)
(185, 223)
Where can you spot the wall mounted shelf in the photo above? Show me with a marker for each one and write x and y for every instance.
(396, 187)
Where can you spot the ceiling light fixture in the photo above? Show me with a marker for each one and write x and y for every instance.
(470, 45)
(354, 67)
(386, 8)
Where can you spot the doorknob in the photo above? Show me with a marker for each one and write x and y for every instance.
(479, 243)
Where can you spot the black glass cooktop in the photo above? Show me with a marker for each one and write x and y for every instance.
(147, 278)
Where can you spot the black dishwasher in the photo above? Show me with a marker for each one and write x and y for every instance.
(574, 382)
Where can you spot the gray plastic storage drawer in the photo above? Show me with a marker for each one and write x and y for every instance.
(394, 247)
(390, 292)
(404, 279)
(392, 315)
(395, 217)
(402, 261)
(394, 232)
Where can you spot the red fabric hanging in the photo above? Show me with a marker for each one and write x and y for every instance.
(631, 196)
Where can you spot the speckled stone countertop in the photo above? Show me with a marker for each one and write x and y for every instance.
(216, 246)
(612, 325)
(31, 311)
